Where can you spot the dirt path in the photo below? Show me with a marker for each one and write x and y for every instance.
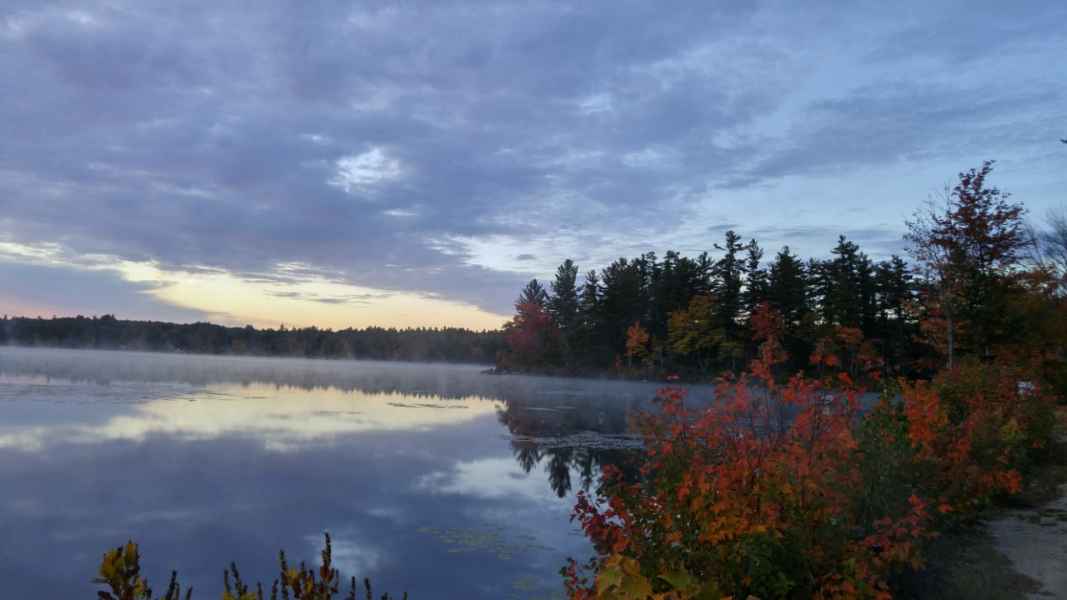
(1035, 541)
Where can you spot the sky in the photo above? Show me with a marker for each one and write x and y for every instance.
(414, 163)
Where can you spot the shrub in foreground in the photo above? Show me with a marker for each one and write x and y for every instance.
(789, 490)
(975, 430)
(753, 496)
(120, 575)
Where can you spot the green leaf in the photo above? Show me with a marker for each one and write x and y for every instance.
(680, 580)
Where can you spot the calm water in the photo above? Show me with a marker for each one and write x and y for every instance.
(434, 479)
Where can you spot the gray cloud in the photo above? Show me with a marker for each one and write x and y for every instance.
(343, 299)
(208, 137)
(69, 291)
(878, 242)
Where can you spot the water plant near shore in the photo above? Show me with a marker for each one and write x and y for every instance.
(120, 574)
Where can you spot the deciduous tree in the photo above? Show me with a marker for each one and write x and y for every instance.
(966, 246)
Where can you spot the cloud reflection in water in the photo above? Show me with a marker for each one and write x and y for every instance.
(413, 469)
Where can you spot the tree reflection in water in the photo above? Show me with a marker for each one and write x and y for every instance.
(573, 439)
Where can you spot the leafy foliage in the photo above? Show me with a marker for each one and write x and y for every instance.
(636, 342)
(532, 337)
(787, 489)
(694, 331)
(966, 247)
(749, 496)
(974, 429)
(120, 571)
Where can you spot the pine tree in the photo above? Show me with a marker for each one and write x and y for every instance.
(588, 345)
(533, 293)
(621, 301)
(787, 287)
(789, 290)
(893, 282)
(756, 283)
(842, 301)
(563, 306)
(729, 274)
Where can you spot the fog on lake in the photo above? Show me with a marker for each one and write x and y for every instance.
(435, 479)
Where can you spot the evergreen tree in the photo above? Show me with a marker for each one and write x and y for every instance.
(841, 304)
(787, 287)
(534, 293)
(756, 283)
(789, 291)
(678, 279)
(893, 281)
(589, 346)
(648, 269)
(621, 301)
(563, 302)
(729, 279)
(563, 306)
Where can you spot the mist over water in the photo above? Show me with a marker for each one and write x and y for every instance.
(431, 478)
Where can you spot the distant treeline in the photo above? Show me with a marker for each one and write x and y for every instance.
(981, 283)
(107, 332)
(683, 313)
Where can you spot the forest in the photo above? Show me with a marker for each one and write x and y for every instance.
(446, 344)
(693, 316)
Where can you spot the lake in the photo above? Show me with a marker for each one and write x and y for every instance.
(435, 479)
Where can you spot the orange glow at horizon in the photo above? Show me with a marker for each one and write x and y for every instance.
(245, 302)
(296, 296)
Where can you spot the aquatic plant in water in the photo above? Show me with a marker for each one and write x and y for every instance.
(120, 575)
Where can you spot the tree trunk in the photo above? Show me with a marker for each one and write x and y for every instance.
(951, 340)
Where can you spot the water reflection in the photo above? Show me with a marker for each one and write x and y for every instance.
(569, 438)
(280, 418)
(430, 477)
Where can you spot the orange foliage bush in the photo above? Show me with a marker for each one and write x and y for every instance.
(846, 351)
(790, 490)
(636, 342)
(974, 429)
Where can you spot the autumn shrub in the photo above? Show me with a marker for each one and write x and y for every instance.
(755, 495)
(844, 350)
(885, 458)
(975, 430)
(791, 490)
(120, 575)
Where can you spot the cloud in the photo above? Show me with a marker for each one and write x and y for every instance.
(327, 299)
(422, 149)
(285, 428)
(43, 290)
(878, 242)
(363, 172)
